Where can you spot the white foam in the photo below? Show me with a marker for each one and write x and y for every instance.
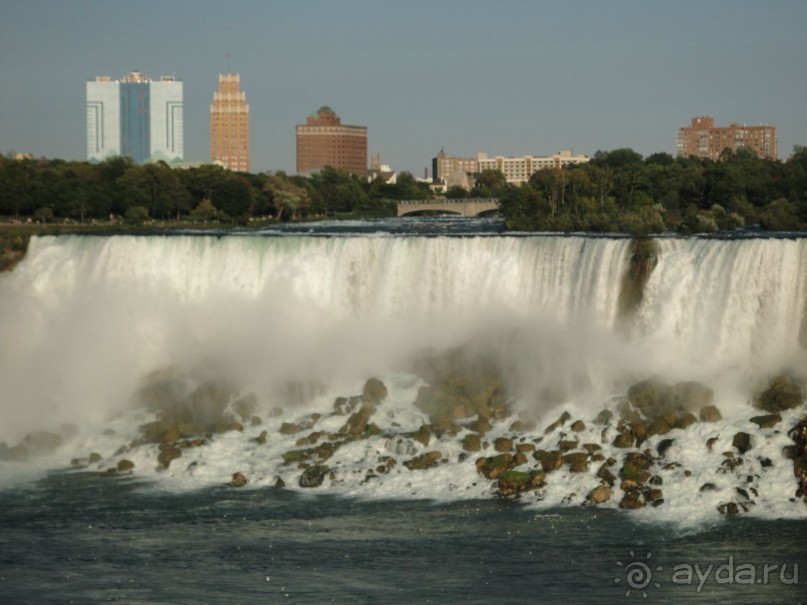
(88, 317)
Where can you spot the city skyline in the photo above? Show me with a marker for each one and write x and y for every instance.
(520, 78)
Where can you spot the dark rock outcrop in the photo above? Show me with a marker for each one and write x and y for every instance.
(743, 442)
(313, 476)
(783, 393)
(767, 421)
(238, 480)
(424, 461)
(511, 483)
(12, 250)
(643, 258)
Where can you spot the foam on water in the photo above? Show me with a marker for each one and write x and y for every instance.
(88, 317)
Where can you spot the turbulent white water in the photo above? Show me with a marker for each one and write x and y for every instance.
(82, 319)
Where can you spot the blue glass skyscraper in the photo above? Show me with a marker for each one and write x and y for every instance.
(135, 117)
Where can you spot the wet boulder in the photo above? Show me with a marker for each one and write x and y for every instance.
(313, 476)
(523, 426)
(685, 396)
(623, 440)
(599, 495)
(710, 413)
(471, 442)
(566, 416)
(551, 461)
(124, 465)
(685, 421)
(165, 393)
(424, 461)
(463, 382)
(577, 462)
(632, 500)
(742, 441)
(167, 453)
(767, 421)
(491, 468)
(663, 446)
(511, 483)
(209, 402)
(604, 417)
(238, 480)
(480, 425)
(728, 508)
(160, 431)
(653, 398)
(374, 391)
(245, 406)
(42, 442)
(783, 393)
(359, 422)
(289, 428)
(295, 456)
(503, 444)
(422, 435)
(647, 395)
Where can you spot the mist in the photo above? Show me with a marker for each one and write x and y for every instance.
(84, 319)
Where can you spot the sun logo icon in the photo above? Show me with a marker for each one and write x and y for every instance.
(638, 575)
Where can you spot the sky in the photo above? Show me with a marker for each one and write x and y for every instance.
(508, 78)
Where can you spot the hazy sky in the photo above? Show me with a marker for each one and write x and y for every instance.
(506, 78)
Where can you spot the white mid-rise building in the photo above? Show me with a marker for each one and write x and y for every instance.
(135, 117)
(450, 170)
(518, 170)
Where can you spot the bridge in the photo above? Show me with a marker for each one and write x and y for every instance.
(471, 206)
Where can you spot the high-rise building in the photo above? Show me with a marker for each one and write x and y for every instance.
(705, 140)
(324, 141)
(135, 117)
(229, 125)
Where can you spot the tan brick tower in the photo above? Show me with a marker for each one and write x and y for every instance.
(229, 125)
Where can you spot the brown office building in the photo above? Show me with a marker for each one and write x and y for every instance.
(324, 141)
(705, 140)
(229, 125)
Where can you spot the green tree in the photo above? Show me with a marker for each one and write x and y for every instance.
(781, 215)
(456, 192)
(157, 188)
(337, 190)
(489, 183)
(234, 196)
(288, 199)
(136, 215)
(204, 210)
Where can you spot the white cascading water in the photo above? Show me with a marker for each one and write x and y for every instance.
(83, 319)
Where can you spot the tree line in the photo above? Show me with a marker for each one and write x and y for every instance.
(621, 191)
(57, 190)
(617, 190)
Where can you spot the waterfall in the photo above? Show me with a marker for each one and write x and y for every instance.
(83, 318)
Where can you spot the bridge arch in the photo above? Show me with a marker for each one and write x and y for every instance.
(467, 207)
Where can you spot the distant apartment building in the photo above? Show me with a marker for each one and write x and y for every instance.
(455, 171)
(229, 125)
(324, 141)
(705, 140)
(135, 117)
